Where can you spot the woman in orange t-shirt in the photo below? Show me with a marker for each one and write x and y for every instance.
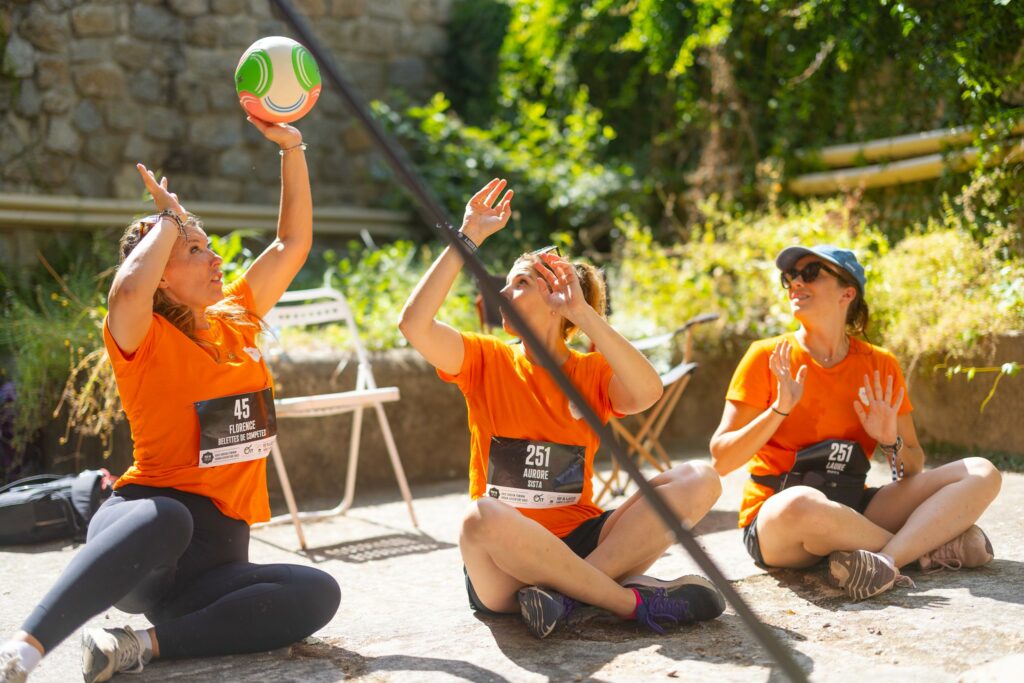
(807, 410)
(172, 540)
(533, 541)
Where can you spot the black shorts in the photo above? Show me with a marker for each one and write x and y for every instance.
(753, 545)
(582, 540)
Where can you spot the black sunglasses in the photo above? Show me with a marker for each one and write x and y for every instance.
(546, 250)
(808, 273)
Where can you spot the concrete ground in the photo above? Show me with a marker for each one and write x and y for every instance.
(404, 616)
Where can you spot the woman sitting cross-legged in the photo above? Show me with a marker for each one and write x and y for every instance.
(806, 410)
(532, 540)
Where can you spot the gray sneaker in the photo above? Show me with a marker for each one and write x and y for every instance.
(109, 651)
(864, 574)
(544, 609)
(11, 670)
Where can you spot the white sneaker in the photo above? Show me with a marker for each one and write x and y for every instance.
(109, 651)
(11, 670)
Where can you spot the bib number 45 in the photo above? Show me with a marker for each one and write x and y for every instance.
(242, 409)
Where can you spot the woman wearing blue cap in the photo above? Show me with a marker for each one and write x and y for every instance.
(806, 410)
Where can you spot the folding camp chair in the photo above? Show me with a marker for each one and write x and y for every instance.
(314, 307)
(644, 442)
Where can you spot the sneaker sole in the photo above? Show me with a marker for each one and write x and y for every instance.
(536, 606)
(688, 580)
(96, 667)
(861, 582)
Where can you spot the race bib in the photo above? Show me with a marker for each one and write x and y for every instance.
(236, 428)
(535, 474)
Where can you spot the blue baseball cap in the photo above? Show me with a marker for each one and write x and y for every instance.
(844, 258)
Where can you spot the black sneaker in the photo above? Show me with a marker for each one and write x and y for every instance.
(544, 609)
(685, 600)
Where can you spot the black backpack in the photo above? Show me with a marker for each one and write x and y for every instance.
(51, 506)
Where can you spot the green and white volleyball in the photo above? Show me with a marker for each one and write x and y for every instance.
(277, 80)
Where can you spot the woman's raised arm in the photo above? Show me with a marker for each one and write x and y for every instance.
(273, 271)
(438, 343)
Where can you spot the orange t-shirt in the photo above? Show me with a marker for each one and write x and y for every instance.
(825, 411)
(508, 396)
(158, 385)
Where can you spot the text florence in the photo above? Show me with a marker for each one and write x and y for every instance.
(242, 427)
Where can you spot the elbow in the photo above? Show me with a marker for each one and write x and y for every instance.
(717, 456)
(407, 323)
(651, 396)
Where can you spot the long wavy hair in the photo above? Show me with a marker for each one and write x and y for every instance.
(180, 315)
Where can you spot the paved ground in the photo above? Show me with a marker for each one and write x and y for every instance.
(404, 617)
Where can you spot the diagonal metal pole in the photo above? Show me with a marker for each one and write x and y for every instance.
(431, 211)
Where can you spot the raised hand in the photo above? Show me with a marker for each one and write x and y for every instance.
(283, 135)
(485, 215)
(565, 296)
(163, 198)
(878, 411)
(790, 388)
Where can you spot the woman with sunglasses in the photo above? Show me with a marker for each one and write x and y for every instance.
(806, 410)
(532, 540)
(172, 540)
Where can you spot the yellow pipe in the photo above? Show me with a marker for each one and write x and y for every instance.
(900, 146)
(897, 172)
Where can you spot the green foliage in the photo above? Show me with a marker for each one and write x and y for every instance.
(236, 255)
(727, 267)
(690, 96)
(938, 292)
(376, 284)
(52, 316)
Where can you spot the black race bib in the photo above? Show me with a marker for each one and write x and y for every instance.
(535, 474)
(236, 428)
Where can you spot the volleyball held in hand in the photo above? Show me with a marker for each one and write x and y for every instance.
(277, 80)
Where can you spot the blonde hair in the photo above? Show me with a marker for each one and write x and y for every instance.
(180, 315)
(595, 291)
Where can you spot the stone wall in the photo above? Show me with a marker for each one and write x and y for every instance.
(429, 422)
(89, 88)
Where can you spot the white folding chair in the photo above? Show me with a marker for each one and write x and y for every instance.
(315, 307)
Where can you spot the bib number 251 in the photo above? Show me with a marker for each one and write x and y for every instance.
(841, 452)
(537, 455)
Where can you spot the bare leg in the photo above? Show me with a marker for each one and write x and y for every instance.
(799, 526)
(504, 551)
(933, 507)
(634, 537)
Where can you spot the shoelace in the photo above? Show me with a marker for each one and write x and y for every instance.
(128, 654)
(568, 606)
(946, 556)
(659, 605)
(10, 664)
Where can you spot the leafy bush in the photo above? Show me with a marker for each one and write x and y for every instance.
(376, 284)
(936, 292)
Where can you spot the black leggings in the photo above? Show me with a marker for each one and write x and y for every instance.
(175, 557)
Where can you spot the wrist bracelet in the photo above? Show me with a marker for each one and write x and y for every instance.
(170, 213)
(465, 239)
(774, 409)
(301, 145)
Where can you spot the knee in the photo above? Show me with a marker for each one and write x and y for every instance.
(984, 471)
(171, 522)
(799, 506)
(699, 480)
(483, 520)
(320, 596)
